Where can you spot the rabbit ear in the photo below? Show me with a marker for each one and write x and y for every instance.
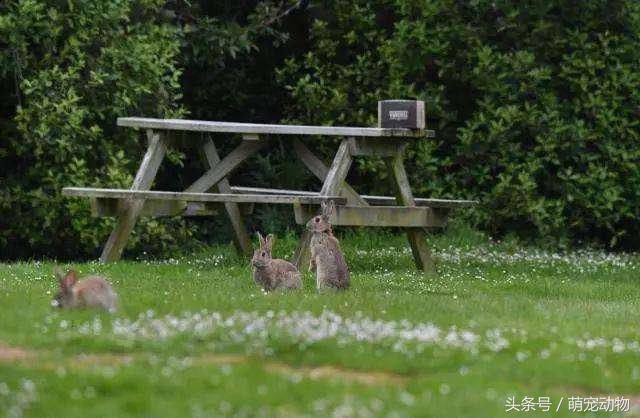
(58, 273)
(260, 239)
(269, 242)
(69, 279)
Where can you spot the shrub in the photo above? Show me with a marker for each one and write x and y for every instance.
(69, 69)
(74, 67)
(535, 104)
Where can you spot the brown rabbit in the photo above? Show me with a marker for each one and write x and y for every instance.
(327, 259)
(92, 292)
(273, 273)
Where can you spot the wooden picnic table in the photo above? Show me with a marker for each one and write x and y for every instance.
(352, 209)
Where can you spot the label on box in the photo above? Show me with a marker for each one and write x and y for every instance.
(401, 114)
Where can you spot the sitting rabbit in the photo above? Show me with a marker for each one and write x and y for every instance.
(273, 273)
(327, 259)
(92, 292)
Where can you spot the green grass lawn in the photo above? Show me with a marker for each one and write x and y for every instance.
(195, 337)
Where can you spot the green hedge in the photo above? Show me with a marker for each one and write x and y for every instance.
(68, 69)
(536, 104)
(73, 68)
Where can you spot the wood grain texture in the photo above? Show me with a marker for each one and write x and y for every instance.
(251, 137)
(333, 184)
(404, 196)
(105, 207)
(379, 216)
(156, 151)
(422, 201)
(378, 147)
(338, 170)
(259, 128)
(373, 200)
(302, 253)
(197, 197)
(320, 170)
(245, 150)
(242, 240)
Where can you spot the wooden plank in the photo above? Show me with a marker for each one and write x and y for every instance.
(379, 216)
(320, 170)
(378, 147)
(333, 183)
(242, 240)
(262, 190)
(404, 196)
(156, 150)
(259, 128)
(373, 200)
(302, 214)
(302, 253)
(197, 197)
(251, 137)
(105, 207)
(228, 164)
(421, 201)
(338, 171)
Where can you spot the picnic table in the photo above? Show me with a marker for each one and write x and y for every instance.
(352, 209)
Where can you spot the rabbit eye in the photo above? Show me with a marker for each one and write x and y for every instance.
(263, 253)
(317, 219)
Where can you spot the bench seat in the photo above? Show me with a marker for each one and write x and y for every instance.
(385, 216)
(198, 197)
(372, 200)
(428, 213)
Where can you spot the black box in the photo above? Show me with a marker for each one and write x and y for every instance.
(401, 114)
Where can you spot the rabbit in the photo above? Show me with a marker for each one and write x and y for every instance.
(327, 260)
(92, 292)
(273, 273)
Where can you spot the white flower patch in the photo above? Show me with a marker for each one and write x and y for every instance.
(495, 341)
(303, 328)
(209, 260)
(19, 400)
(616, 345)
(259, 330)
(580, 260)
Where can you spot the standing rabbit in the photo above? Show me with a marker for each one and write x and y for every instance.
(273, 273)
(327, 259)
(92, 292)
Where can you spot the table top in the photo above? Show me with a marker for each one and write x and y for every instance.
(267, 129)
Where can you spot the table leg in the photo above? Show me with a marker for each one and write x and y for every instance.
(303, 253)
(226, 165)
(130, 210)
(332, 186)
(404, 197)
(242, 240)
(317, 167)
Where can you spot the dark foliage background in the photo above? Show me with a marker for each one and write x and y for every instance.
(536, 106)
